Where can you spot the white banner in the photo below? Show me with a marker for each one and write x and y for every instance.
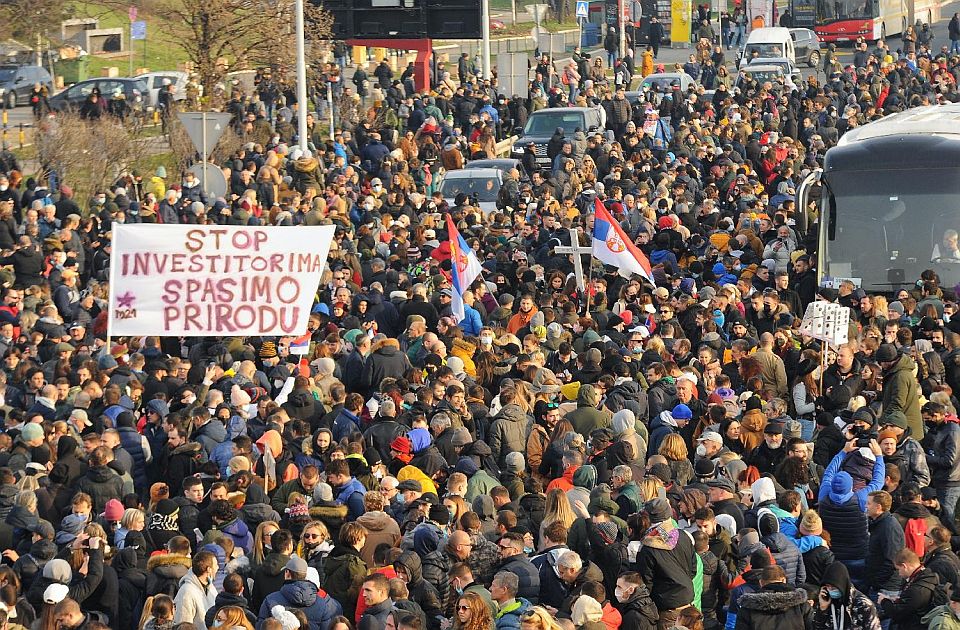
(198, 280)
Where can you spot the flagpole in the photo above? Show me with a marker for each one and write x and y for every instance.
(590, 269)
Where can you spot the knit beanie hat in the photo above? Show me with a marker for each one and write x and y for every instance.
(114, 510)
(810, 524)
(515, 462)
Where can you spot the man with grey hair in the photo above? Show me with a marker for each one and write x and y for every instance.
(627, 492)
(503, 590)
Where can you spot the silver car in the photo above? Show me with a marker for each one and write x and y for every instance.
(482, 183)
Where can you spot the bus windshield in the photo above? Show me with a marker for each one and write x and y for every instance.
(890, 228)
(831, 10)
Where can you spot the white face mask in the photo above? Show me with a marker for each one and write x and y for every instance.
(621, 595)
(701, 451)
(486, 340)
(3, 187)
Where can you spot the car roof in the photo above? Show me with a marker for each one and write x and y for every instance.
(562, 110)
(491, 163)
(169, 73)
(774, 32)
(472, 173)
(769, 61)
(753, 67)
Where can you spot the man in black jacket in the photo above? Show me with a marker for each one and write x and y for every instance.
(886, 539)
(667, 563)
(917, 597)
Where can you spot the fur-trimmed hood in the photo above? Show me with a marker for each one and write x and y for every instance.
(770, 601)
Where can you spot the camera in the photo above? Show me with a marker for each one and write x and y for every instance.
(863, 436)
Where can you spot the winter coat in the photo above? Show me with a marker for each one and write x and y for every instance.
(860, 613)
(102, 484)
(386, 362)
(901, 392)
(225, 599)
(661, 396)
(944, 562)
(553, 590)
(915, 601)
(943, 454)
(164, 572)
(344, 571)
(886, 539)
(667, 563)
(421, 591)
(775, 607)
(375, 617)
(508, 432)
(508, 617)
(815, 562)
(639, 612)
(268, 578)
(628, 395)
(942, 617)
(210, 435)
(193, 599)
(521, 566)
(319, 607)
(381, 528)
(787, 556)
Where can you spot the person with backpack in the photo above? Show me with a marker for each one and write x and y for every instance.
(921, 593)
(914, 517)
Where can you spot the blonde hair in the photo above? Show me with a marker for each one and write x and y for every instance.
(650, 487)
(543, 619)
(673, 447)
(131, 516)
(558, 508)
(258, 541)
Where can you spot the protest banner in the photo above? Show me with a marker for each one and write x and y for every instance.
(197, 280)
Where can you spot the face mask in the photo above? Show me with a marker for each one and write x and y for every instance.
(368, 206)
(834, 593)
(3, 187)
(486, 340)
(217, 623)
(179, 196)
(189, 184)
(701, 451)
(621, 595)
(229, 472)
(277, 383)
(101, 200)
(400, 499)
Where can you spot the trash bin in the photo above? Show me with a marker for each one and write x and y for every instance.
(73, 70)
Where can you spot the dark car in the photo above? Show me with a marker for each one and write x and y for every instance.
(134, 90)
(542, 123)
(501, 164)
(16, 83)
(806, 46)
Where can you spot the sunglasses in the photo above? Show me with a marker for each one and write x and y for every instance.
(462, 607)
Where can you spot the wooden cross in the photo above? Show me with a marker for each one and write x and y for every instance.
(576, 250)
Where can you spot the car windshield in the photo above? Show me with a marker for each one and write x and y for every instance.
(486, 188)
(889, 229)
(544, 124)
(846, 9)
(7, 74)
(663, 84)
(763, 50)
(761, 76)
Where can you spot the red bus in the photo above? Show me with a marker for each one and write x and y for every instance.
(846, 20)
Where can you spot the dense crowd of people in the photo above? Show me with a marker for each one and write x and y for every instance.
(624, 454)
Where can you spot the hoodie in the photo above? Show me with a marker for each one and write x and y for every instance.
(422, 592)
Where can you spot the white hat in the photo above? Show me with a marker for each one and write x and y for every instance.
(711, 436)
(55, 593)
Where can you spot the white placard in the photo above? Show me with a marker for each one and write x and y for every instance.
(198, 280)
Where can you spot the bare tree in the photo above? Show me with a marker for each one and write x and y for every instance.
(220, 36)
(32, 21)
(186, 154)
(87, 154)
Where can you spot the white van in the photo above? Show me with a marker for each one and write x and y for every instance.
(768, 42)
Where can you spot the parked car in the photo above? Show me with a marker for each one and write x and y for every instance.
(16, 83)
(806, 46)
(761, 73)
(766, 43)
(154, 81)
(785, 64)
(664, 81)
(501, 164)
(482, 182)
(74, 96)
(541, 125)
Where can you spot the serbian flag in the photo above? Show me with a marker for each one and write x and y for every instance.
(612, 247)
(301, 344)
(464, 268)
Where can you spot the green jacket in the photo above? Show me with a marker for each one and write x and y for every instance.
(344, 572)
(901, 392)
(941, 618)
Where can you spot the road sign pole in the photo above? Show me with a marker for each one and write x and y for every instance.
(486, 39)
(301, 78)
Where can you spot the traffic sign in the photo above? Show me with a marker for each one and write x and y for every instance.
(138, 30)
(204, 128)
(216, 181)
(583, 8)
